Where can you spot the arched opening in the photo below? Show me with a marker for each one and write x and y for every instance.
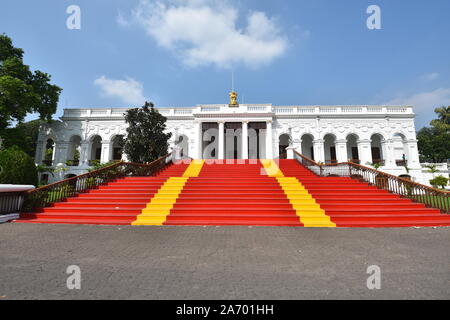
(49, 152)
(283, 143)
(308, 146)
(330, 148)
(352, 148)
(73, 152)
(117, 148)
(96, 150)
(183, 142)
(400, 150)
(377, 153)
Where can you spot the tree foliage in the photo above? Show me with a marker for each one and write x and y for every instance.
(434, 141)
(439, 181)
(23, 135)
(146, 140)
(16, 167)
(21, 90)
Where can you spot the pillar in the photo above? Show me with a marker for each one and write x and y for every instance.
(40, 148)
(84, 153)
(269, 140)
(60, 152)
(221, 140)
(244, 140)
(106, 151)
(290, 152)
(198, 141)
(341, 151)
(365, 152)
(413, 154)
(297, 144)
(388, 153)
(319, 150)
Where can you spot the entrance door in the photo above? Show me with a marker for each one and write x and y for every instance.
(333, 154)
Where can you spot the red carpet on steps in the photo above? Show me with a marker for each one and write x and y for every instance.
(240, 194)
(351, 203)
(116, 203)
(233, 194)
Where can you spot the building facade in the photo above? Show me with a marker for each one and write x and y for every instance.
(368, 135)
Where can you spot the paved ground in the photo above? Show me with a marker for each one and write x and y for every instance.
(222, 262)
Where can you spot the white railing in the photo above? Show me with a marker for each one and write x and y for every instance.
(282, 110)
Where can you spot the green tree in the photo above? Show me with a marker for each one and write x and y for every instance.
(146, 140)
(439, 181)
(24, 135)
(16, 167)
(432, 168)
(434, 141)
(21, 90)
(443, 120)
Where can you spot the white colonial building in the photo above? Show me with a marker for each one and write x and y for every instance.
(328, 134)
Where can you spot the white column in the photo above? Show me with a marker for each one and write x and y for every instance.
(221, 140)
(297, 144)
(290, 152)
(365, 152)
(198, 141)
(84, 153)
(60, 152)
(319, 150)
(269, 140)
(413, 154)
(39, 155)
(341, 151)
(244, 140)
(106, 151)
(388, 153)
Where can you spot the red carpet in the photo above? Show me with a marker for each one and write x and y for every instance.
(233, 194)
(116, 203)
(351, 203)
(240, 194)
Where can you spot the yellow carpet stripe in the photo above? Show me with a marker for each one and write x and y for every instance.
(157, 210)
(271, 168)
(307, 209)
(194, 168)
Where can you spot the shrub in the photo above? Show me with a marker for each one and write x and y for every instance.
(16, 167)
(439, 181)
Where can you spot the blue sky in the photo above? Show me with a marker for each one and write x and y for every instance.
(182, 53)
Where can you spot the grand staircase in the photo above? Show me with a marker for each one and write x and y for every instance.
(251, 192)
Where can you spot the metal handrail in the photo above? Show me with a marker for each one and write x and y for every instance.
(415, 191)
(58, 191)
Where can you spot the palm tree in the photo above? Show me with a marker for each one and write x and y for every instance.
(443, 114)
(432, 168)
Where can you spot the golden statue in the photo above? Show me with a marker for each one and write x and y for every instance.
(233, 99)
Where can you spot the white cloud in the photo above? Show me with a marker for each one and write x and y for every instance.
(129, 90)
(424, 103)
(120, 19)
(203, 32)
(430, 76)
